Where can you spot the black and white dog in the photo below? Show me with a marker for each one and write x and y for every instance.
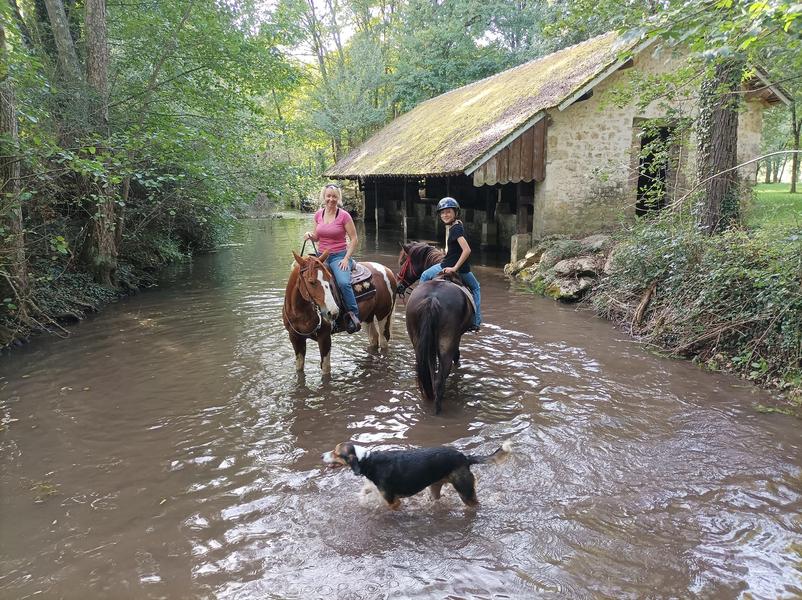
(402, 473)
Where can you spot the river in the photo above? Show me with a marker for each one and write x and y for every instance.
(168, 449)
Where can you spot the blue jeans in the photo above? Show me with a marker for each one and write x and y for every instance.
(469, 279)
(344, 280)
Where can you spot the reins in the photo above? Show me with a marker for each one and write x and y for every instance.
(313, 331)
(408, 268)
(301, 281)
(313, 246)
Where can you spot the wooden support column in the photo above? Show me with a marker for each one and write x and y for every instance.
(404, 211)
(524, 198)
(376, 207)
(489, 227)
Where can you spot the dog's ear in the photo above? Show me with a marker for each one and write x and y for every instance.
(353, 462)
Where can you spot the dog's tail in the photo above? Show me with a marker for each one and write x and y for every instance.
(497, 457)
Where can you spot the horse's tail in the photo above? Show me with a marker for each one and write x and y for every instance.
(426, 348)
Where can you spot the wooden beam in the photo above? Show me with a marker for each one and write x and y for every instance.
(404, 211)
(514, 151)
(539, 151)
(502, 166)
(490, 173)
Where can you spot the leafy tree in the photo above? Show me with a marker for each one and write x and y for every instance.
(441, 47)
(13, 267)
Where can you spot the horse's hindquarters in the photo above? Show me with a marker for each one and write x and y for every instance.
(437, 314)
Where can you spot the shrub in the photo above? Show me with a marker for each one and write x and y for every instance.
(731, 301)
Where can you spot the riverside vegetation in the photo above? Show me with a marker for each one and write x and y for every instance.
(730, 302)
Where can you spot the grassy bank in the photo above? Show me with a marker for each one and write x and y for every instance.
(774, 207)
(731, 302)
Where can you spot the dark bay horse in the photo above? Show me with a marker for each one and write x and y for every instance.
(438, 313)
(311, 306)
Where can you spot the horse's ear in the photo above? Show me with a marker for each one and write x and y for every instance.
(298, 258)
(324, 256)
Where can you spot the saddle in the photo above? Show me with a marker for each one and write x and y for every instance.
(457, 280)
(362, 282)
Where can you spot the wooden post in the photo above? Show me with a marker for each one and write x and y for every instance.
(404, 210)
(520, 208)
(376, 207)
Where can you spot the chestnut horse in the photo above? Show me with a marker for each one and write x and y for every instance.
(311, 307)
(438, 313)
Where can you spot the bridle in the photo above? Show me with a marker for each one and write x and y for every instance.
(407, 269)
(408, 273)
(308, 298)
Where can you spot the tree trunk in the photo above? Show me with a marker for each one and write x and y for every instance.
(796, 129)
(14, 276)
(67, 57)
(717, 135)
(769, 169)
(102, 252)
(97, 63)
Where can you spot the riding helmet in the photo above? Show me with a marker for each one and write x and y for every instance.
(447, 202)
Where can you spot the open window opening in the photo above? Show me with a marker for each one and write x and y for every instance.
(653, 168)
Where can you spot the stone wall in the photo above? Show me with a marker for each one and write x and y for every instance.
(592, 152)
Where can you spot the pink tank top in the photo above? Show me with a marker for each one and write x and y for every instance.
(331, 236)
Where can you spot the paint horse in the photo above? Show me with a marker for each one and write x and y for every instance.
(438, 313)
(311, 305)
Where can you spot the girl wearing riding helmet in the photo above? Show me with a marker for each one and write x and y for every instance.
(332, 224)
(457, 252)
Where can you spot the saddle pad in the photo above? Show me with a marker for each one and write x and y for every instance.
(359, 274)
(363, 290)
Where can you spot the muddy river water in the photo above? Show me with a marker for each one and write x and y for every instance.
(168, 449)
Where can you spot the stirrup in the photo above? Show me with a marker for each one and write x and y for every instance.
(352, 324)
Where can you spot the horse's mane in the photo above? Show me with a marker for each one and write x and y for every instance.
(421, 253)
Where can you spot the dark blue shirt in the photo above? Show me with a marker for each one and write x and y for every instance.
(454, 249)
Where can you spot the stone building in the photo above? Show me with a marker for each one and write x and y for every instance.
(543, 148)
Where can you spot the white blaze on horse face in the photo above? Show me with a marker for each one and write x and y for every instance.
(328, 296)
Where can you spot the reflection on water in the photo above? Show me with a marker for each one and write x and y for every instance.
(168, 449)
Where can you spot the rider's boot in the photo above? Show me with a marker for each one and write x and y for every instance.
(352, 323)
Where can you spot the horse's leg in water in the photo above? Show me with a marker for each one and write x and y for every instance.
(373, 333)
(446, 359)
(324, 343)
(456, 358)
(386, 325)
(299, 345)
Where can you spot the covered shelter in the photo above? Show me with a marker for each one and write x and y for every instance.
(527, 152)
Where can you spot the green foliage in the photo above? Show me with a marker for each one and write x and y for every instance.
(731, 301)
(450, 34)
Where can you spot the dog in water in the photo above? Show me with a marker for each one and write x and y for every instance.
(403, 473)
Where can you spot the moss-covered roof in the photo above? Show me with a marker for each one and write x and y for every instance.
(448, 133)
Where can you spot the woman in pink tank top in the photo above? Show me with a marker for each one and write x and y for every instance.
(334, 231)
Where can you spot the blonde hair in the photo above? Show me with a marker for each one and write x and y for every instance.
(336, 188)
